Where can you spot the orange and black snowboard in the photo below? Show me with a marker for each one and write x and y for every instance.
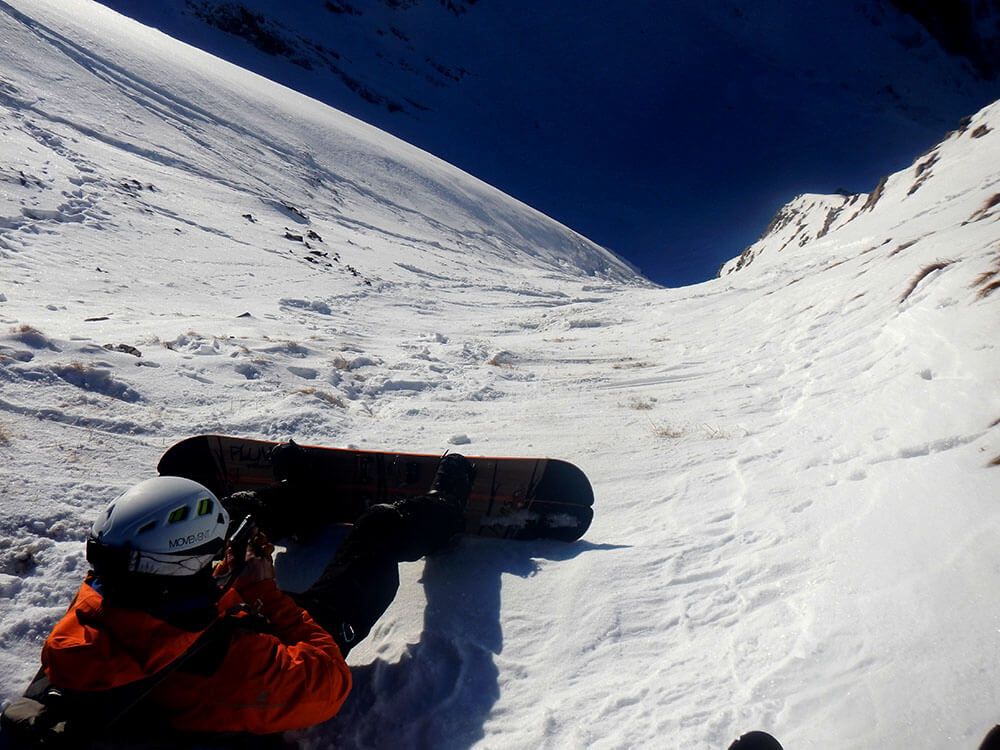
(512, 498)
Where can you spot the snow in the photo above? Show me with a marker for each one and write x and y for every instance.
(795, 464)
(684, 110)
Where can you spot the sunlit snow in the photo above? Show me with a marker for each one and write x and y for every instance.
(796, 465)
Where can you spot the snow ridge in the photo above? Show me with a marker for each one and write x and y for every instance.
(809, 218)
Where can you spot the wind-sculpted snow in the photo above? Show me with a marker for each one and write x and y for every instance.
(796, 465)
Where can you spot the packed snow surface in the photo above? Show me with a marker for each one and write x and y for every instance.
(796, 465)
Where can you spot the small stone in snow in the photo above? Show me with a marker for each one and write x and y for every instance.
(460, 439)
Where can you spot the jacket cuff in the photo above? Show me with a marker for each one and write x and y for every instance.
(265, 590)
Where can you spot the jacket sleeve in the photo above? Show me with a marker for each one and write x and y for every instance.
(291, 678)
(289, 622)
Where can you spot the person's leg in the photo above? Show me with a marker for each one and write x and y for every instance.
(298, 503)
(287, 509)
(362, 579)
(348, 599)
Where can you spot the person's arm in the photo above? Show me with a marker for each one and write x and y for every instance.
(292, 677)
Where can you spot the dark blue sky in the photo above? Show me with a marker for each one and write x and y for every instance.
(668, 132)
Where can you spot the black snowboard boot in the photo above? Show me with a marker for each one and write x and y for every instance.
(413, 527)
(299, 503)
(290, 463)
(992, 740)
(453, 481)
(756, 741)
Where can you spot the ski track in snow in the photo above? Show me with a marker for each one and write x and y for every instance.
(796, 518)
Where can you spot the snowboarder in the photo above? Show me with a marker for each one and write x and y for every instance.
(151, 632)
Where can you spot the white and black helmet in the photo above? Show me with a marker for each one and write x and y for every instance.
(165, 526)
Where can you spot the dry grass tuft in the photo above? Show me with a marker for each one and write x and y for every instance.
(923, 274)
(904, 246)
(707, 431)
(628, 363)
(324, 396)
(988, 281)
(988, 206)
(983, 278)
(669, 432)
(923, 172)
(987, 290)
(641, 404)
(716, 433)
(875, 195)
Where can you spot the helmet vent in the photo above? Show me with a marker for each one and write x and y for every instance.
(204, 506)
(148, 527)
(178, 514)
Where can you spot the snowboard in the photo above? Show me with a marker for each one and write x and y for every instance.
(511, 498)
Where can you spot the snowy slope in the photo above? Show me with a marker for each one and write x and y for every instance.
(795, 464)
(667, 131)
(328, 159)
(809, 218)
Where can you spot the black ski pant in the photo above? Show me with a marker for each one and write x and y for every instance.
(361, 581)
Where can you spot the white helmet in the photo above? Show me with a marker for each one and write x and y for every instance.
(166, 526)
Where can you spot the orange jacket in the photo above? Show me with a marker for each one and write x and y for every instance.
(290, 678)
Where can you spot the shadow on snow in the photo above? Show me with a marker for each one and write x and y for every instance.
(440, 693)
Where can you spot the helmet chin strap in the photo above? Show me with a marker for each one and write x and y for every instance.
(114, 561)
(165, 565)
